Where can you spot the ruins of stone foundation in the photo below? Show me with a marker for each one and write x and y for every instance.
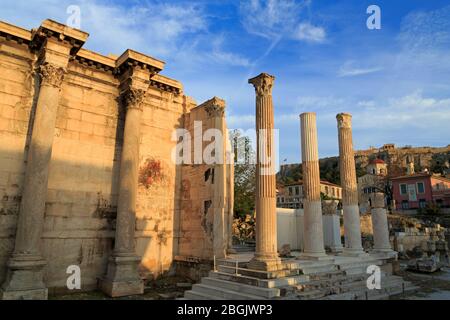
(87, 178)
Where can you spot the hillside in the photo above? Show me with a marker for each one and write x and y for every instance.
(434, 159)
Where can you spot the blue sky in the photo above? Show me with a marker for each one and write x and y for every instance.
(395, 81)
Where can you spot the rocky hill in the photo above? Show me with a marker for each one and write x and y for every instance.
(434, 159)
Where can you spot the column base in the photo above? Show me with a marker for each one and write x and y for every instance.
(388, 253)
(122, 278)
(349, 252)
(24, 279)
(265, 263)
(315, 256)
(337, 249)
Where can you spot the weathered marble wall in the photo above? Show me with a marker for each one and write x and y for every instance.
(82, 193)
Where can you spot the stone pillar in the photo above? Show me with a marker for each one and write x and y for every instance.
(313, 246)
(230, 184)
(55, 44)
(25, 268)
(352, 224)
(332, 226)
(134, 71)
(122, 278)
(216, 112)
(266, 256)
(380, 226)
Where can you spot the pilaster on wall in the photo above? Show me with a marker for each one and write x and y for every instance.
(54, 44)
(134, 71)
(206, 186)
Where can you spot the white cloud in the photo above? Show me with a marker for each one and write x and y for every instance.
(308, 32)
(350, 70)
(219, 55)
(274, 19)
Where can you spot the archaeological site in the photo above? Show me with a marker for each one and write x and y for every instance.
(115, 183)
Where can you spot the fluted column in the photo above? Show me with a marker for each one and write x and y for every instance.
(312, 222)
(122, 278)
(215, 109)
(380, 226)
(352, 224)
(25, 268)
(266, 256)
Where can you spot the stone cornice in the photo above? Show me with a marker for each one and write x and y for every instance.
(134, 59)
(166, 84)
(263, 84)
(14, 33)
(52, 29)
(51, 75)
(76, 38)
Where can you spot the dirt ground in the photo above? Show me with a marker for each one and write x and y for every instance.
(162, 289)
(434, 286)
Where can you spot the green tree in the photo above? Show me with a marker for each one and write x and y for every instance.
(244, 174)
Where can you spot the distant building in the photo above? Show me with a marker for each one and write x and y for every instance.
(373, 181)
(291, 195)
(416, 190)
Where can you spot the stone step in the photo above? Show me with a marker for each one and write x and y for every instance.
(224, 293)
(264, 283)
(244, 288)
(362, 293)
(231, 263)
(195, 295)
(311, 294)
(258, 273)
(318, 269)
(327, 275)
(358, 267)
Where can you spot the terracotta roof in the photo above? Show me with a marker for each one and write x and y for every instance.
(415, 175)
(377, 161)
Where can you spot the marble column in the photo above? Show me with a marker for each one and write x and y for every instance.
(352, 223)
(24, 279)
(215, 109)
(380, 225)
(313, 245)
(230, 185)
(266, 256)
(122, 278)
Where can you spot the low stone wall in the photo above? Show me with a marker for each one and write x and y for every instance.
(290, 228)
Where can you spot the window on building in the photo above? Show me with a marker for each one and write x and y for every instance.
(422, 203)
(405, 204)
(326, 190)
(439, 202)
(297, 191)
(420, 187)
(403, 189)
(290, 191)
(333, 192)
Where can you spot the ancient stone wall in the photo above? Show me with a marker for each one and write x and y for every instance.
(82, 196)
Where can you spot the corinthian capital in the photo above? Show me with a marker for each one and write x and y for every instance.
(215, 107)
(344, 120)
(134, 98)
(51, 75)
(263, 84)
